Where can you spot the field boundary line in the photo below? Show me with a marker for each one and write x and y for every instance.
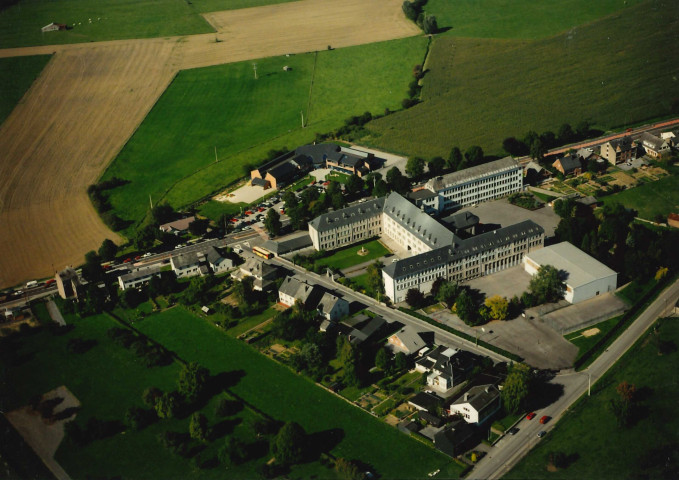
(311, 90)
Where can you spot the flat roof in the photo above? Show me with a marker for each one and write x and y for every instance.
(581, 268)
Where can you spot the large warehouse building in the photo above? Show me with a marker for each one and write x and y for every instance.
(586, 277)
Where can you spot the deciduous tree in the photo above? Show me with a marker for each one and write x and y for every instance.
(546, 285)
(192, 381)
(415, 167)
(289, 444)
(108, 250)
(517, 387)
(498, 307)
(272, 222)
(199, 428)
(415, 298)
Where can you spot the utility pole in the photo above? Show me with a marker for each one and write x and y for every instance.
(302, 114)
(150, 201)
(254, 67)
(216, 160)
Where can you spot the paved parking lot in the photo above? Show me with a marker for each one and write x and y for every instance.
(584, 314)
(501, 213)
(507, 283)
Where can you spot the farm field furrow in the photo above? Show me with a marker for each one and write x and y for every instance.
(91, 98)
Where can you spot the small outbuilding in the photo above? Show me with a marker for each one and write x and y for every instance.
(53, 27)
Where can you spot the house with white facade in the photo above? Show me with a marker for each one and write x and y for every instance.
(216, 261)
(445, 367)
(478, 404)
(138, 277)
(586, 277)
(294, 289)
(332, 307)
(185, 264)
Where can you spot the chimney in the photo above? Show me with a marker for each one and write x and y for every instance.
(466, 396)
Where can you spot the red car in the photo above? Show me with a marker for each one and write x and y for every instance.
(248, 212)
(137, 257)
(49, 282)
(127, 260)
(530, 416)
(544, 419)
(234, 220)
(282, 212)
(260, 209)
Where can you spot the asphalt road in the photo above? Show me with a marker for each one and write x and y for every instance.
(509, 450)
(389, 314)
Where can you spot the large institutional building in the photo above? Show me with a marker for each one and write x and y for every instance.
(436, 251)
(471, 185)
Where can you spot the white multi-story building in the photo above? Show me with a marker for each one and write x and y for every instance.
(472, 185)
(436, 251)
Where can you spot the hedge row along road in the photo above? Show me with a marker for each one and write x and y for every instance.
(91, 97)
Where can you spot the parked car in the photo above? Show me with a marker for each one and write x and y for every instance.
(513, 431)
(544, 419)
(530, 416)
(49, 282)
(128, 260)
(138, 257)
(541, 433)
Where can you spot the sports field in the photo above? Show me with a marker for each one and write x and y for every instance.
(481, 91)
(519, 19)
(172, 154)
(91, 98)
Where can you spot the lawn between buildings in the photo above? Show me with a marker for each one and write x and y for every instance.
(171, 156)
(475, 91)
(588, 433)
(276, 390)
(17, 74)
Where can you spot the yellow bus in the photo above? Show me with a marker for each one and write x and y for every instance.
(262, 252)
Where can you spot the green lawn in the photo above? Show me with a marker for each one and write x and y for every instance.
(584, 344)
(524, 19)
(481, 91)
(171, 155)
(650, 199)
(20, 24)
(348, 256)
(251, 321)
(274, 389)
(588, 434)
(17, 74)
(205, 6)
(214, 209)
(634, 291)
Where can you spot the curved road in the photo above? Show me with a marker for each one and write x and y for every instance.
(509, 450)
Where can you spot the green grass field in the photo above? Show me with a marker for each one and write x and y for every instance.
(277, 391)
(588, 434)
(481, 91)
(348, 256)
(583, 343)
(17, 74)
(204, 6)
(518, 19)
(171, 156)
(650, 199)
(20, 25)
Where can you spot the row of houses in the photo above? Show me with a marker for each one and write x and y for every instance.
(314, 297)
(435, 250)
(290, 166)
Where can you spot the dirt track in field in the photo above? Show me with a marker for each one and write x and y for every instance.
(91, 97)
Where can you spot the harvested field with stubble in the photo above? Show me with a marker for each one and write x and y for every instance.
(90, 99)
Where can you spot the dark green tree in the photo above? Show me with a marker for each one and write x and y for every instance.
(546, 285)
(538, 150)
(162, 213)
(199, 226)
(474, 156)
(429, 24)
(566, 134)
(354, 185)
(514, 147)
(199, 428)
(448, 293)
(455, 158)
(516, 388)
(167, 405)
(374, 272)
(393, 175)
(382, 359)
(400, 361)
(436, 166)
(272, 222)
(146, 236)
(289, 444)
(466, 308)
(381, 188)
(233, 452)
(108, 250)
(92, 270)
(415, 167)
(193, 379)
(415, 298)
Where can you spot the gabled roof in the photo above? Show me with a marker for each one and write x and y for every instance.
(418, 223)
(425, 401)
(569, 162)
(183, 260)
(298, 289)
(283, 171)
(328, 302)
(466, 248)
(498, 166)
(348, 215)
(622, 144)
(479, 397)
(319, 153)
(367, 331)
(651, 141)
(414, 340)
(141, 272)
(258, 268)
(453, 436)
(179, 225)
(580, 267)
(461, 220)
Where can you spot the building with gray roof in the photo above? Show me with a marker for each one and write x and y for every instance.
(654, 146)
(294, 289)
(586, 277)
(138, 276)
(478, 404)
(332, 307)
(347, 226)
(476, 184)
(619, 150)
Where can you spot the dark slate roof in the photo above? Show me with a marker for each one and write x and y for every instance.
(185, 259)
(462, 176)
(141, 272)
(348, 215)
(409, 426)
(461, 220)
(622, 144)
(418, 223)
(429, 418)
(258, 182)
(425, 400)
(367, 331)
(281, 247)
(422, 194)
(283, 171)
(479, 397)
(453, 436)
(570, 162)
(328, 302)
(465, 248)
(319, 153)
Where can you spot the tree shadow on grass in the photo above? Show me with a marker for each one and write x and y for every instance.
(225, 427)
(545, 394)
(322, 442)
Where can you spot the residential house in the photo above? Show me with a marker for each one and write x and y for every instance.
(654, 147)
(367, 330)
(409, 340)
(178, 226)
(455, 438)
(263, 273)
(332, 307)
(186, 264)
(569, 164)
(478, 404)
(217, 262)
(425, 401)
(68, 283)
(138, 277)
(619, 150)
(445, 367)
(294, 289)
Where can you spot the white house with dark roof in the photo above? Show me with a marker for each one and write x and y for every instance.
(263, 273)
(332, 307)
(586, 277)
(294, 289)
(654, 147)
(185, 264)
(217, 262)
(478, 404)
(409, 341)
(138, 277)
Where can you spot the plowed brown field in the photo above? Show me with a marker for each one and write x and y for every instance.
(91, 97)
